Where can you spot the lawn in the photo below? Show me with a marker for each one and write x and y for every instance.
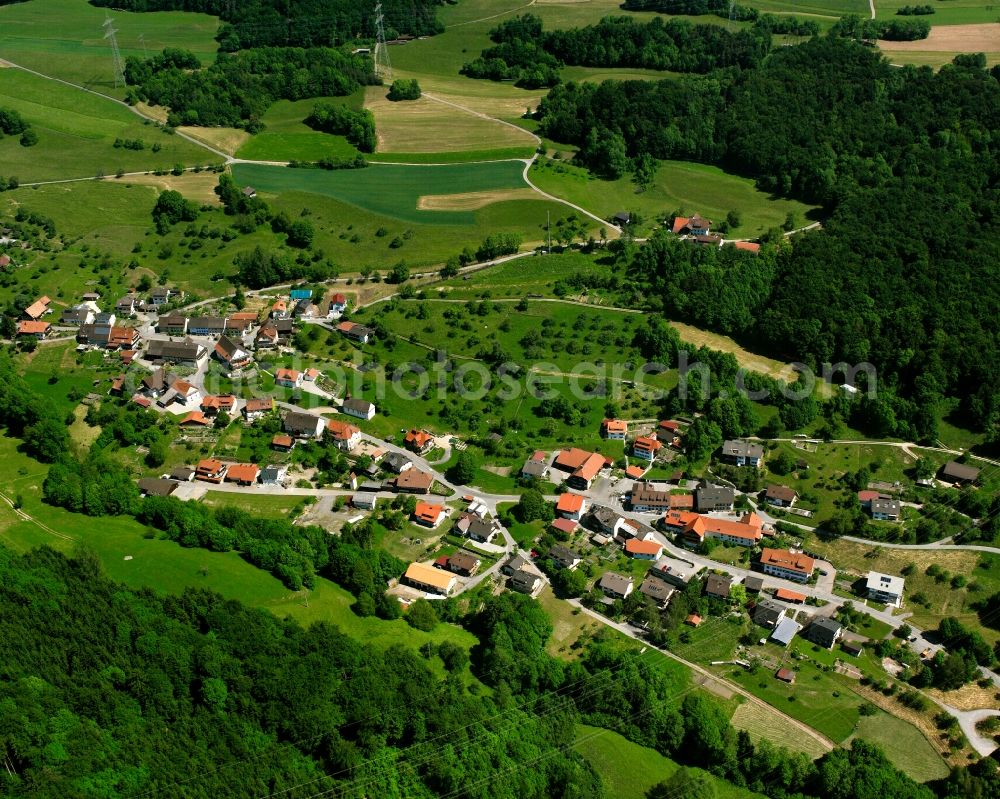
(286, 137)
(628, 770)
(76, 131)
(266, 505)
(678, 186)
(65, 38)
(904, 745)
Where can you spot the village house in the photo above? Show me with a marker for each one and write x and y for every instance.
(695, 225)
(694, 528)
(195, 419)
(231, 354)
(364, 500)
(358, 333)
(780, 496)
(428, 514)
(414, 481)
(537, 466)
(38, 309)
(745, 246)
(615, 586)
(790, 596)
(959, 473)
(643, 550)
(279, 310)
(358, 408)
(885, 588)
(657, 590)
(768, 613)
(77, 315)
(525, 582)
(668, 432)
(213, 404)
(824, 632)
(566, 527)
(564, 557)
(173, 324)
(304, 425)
(289, 378)
(282, 442)
(255, 408)
(266, 338)
(311, 375)
(886, 510)
(182, 473)
(645, 448)
(462, 563)
(478, 529)
(582, 467)
(244, 474)
(123, 338)
(710, 497)
(345, 435)
(614, 429)
(787, 565)
(718, 586)
(30, 327)
(161, 295)
(273, 474)
(210, 470)
(186, 353)
(185, 393)
(570, 506)
(213, 326)
(418, 441)
(338, 304)
(126, 306)
(754, 584)
(785, 631)
(156, 487)
(645, 498)
(241, 321)
(742, 453)
(396, 462)
(155, 383)
(604, 520)
(429, 579)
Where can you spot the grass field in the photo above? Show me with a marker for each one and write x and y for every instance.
(904, 745)
(763, 724)
(65, 38)
(270, 505)
(286, 137)
(678, 186)
(76, 131)
(949, 12)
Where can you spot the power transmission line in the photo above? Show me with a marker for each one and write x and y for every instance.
(116, 55)
(383, 67)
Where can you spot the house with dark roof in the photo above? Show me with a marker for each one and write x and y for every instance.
(742, 453)
(476, 528)
(824, 632)
(156, 487)
(207, 325)
(463, 563)
(357, 332)
(414, 481)
(126, 305)
(359, 408)
(603, 519)
(267, 337)
(304, 425)
(525, 582)
(188, 353)
(885, 510)
(396, 462)
(564, 557)
(77, 315)
(768, 613)
(182, 473)
(645, 498)
(232, 354)
(536, 466)
(710, 497)
(172, 324)
(780, 496)
(616, 586)
(718, 585)
(962, 473)
(657, 590)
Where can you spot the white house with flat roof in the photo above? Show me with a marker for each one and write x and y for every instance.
(885, 588)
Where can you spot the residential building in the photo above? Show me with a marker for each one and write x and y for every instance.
(359, 408)
(955, 472)
(695, 528)
(244, 474)
(668, 431)
(304, 425)
(885, 510)
(267, 337)
(462, 563)
(156, 487)
(257, 407)
(657, 590)
(645, 498)
(514, 564)
(232, 354)
(210, 470)
(682, 502)
(213, 404)
(273, 474)
(785, 631)
(123, 338)
(602, 519)
(364, 500)
(476, 528)
(358, 333)
(418, 441)
(414, 481)
(718, 585)
(710, 498)
(674, 571)
(789, 596)
(161, 295)
(582, 466)
(187, 353)
(565, 526)
(429, 579)
(207, 325)
(614, 429)
(525, 582)
(185, 393)
(616, 586)
(564, 557)
(311, 375)
(305, 309)
(283, 442)
(289, 378)
(126, 305)
(195, 419)
(155, 383)
(645, 448)
(787, 565)
(768, 613)
(780, 496)
(885, 588)
(38, 308)
(570, 506)
(30, 327)
(396, 462)
(279, 310)
(172, 324)
(338, 304)
(428, 514)
(754, 584)
(695, 225)
(824, 632)
(241, 321)
(182, 473)
(77, 315)
(536, 466)
(742, 453)
(641, 549)
(345, 435)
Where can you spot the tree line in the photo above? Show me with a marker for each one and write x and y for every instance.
(357, 126)
(299, 23)
(898, 158)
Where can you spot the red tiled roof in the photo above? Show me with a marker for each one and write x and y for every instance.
(195, 417)
(141, 401)
(569, 503)
(565, 525)
(646, 444)
(789, 596)
(428, 512)
(259, 404)
(242, 473)
(680, 222)
(614, 426)
(287, 374)
(338, 299)
(783, 559)
(282, 440)
(682, 501)
(31, 328)
(417, 438)
(341, 431)
(636, 546)
(634, 471)
(588, 471)
(671, 425)
(210, 465)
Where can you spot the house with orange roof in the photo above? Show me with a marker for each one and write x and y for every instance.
(645, 448)
(283, 442)
(787, 595)
(311, 374)
(195, 419)
(257, 407)
(231, 353)
(279, 310)
(570, 506)
(289, 378)
(614, 429)
(338, 304)
(344, 434)
(427, 578)
(786, 564)
(38, 308)
(695, 225)
(428, 514)
(582, 466)
(643, 550)
(352, 330)
(244, 474)
(418, 441)
(185, 393)
(212, 404)
(267, 337)
(210, 470)
(30, 327)
(123, 338)
(634, 472)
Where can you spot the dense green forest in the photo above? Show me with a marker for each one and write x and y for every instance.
(237, 89)
(298, 23)
(903, 272)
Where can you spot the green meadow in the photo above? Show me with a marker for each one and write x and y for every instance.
(951, 12)
(76, 131)
(65, 38)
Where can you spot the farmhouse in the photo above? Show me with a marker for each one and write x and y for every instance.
(187, 353)
(123, 338)
(173, 324)
(581, 465)
(414, 481)
(28, 327)
(742, 453)
(695, 225)
(359, 408)
(787, 565)
(207, 326)
(304, 425)
(429, 579)
(231, 354)
(885, 588)
(213, 404)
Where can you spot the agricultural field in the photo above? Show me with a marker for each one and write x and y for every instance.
(65, 39)
(286, 137)
(946, 12)
(761, 723)
(76, 133)
(678, 186)
(945, 42)
(904, 745)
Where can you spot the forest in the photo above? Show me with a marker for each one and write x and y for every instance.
(298, 23)
(900, 160)
(237, 89)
